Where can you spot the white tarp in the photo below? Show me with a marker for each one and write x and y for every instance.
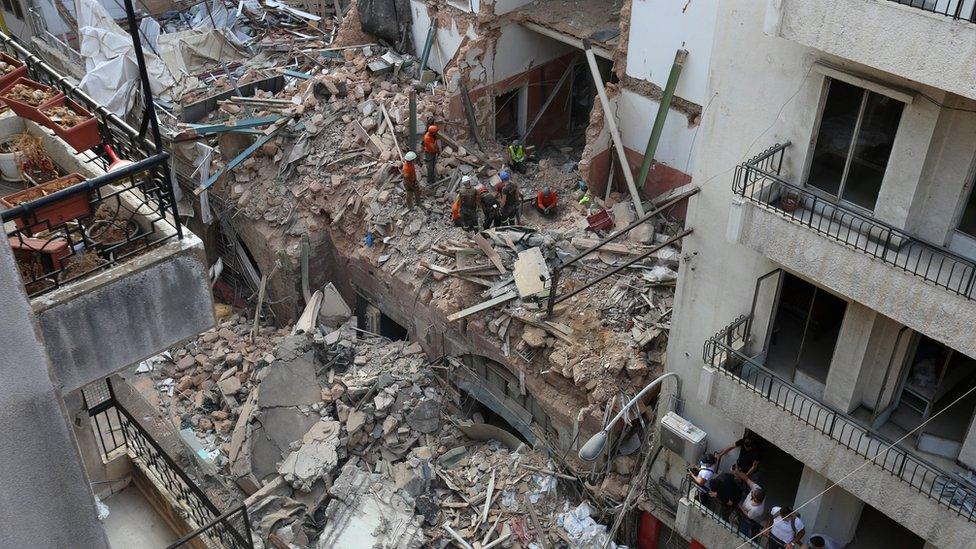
(111, 69)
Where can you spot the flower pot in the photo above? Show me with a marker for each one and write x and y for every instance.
(10, 166)
(83, 135)
(20, 69)
(29, 110)
(54, 214)
(789, 202)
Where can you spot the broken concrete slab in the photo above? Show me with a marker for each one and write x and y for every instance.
(426, 417)
(531, 273)
(315, 459)
(290, 383)
(368, 511)
(334, 310)
(274, 431)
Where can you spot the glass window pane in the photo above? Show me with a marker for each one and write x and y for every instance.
(834, 136)
(874, 140)
(968, 222)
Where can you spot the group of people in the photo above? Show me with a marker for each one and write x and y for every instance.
(736, 496)
(500, 205)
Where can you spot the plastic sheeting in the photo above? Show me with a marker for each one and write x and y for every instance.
(111, 69)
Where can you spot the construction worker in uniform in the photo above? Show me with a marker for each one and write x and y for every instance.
(545, 202)
(516, 156)
(489, 207)
(510, 199)
(431, 150)
(410, 185)
(468, 202)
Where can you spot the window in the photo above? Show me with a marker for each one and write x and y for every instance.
(967, 223)
(853, 143)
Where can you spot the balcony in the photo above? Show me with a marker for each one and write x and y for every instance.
(161, 492)
(934, 44)
(936, 504)
(112, 276)
(919, 284)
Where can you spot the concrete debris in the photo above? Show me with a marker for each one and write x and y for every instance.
(315, 459)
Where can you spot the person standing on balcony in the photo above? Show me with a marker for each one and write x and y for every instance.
(823, 541)
(785, 529)
(726, 494)
(702, 474)
(752, 507)
(749, 456)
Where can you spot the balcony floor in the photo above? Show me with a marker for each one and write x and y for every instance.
(133, 523)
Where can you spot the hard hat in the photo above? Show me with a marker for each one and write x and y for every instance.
(432, 128)
(516, 142)
(503, 175)
(410, 156)
(466, 180)
(546, 191)
(481, 188)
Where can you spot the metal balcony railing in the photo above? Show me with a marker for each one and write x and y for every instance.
(689, 491)
(725, 352)
(129, 209)
(759, 181)
(956, 9)
(118, 430)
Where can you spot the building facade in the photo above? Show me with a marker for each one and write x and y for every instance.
(825, 306)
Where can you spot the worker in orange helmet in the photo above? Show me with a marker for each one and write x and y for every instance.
(545, 202)
(410, 186)
(431, 150)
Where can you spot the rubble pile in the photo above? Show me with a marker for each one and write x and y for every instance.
(348, 439)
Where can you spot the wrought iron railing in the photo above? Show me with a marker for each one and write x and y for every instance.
(689, 491)
(956, 9)
(759, 180)
(114, 216)
(118, 429)
(726, 352)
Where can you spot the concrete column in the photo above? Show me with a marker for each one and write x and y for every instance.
(901, 179)
(967, 456)
(847, 364)
(835, 513)
(47, 501)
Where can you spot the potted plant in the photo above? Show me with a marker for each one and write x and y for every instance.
(11, 69)
(9, 159)
(27, 97)
(72, 123)
(50, 215)
(789, 201)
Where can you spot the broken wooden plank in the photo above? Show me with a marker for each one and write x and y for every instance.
(491, 489)
(504, 298)
(371, 141)
(489, 250)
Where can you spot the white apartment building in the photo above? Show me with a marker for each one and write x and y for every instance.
(830, 278)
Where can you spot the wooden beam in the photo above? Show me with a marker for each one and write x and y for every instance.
(504, 298)
(549, 100)
(611, 123)
(567, 39)
(472, 120)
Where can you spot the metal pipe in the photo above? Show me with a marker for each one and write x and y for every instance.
(412, 136)
(662, 114)
(144, 76)
(593, 447)
(427, 47)
(616, 270)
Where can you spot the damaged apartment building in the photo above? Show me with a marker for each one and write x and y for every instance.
(232, 329)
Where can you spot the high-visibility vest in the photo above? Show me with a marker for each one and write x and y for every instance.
(516, 153)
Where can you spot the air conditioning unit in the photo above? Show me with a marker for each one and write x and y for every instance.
(681, 437)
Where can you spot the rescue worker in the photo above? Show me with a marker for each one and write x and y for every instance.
(510, 200)
(489, 207)
(431, 150)
(516, 156)
(545, 202)
(410, 186)
(468, 203)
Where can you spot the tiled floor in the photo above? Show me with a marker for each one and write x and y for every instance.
(132, 523)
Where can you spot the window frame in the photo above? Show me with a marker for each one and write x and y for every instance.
(815, 136)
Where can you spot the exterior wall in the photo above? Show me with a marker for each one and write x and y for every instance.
(692, 523)
(930, 49)
(46, 499)
(108, 321)
(675, 25)
(904, 297)
(869, 483)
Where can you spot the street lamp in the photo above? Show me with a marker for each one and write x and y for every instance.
(594, 447)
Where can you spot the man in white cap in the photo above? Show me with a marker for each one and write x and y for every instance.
(785, 529)
(410, 186)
